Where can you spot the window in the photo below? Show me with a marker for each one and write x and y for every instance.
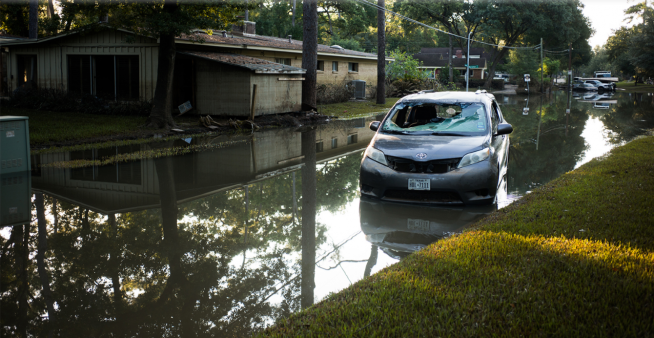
(319, 147)
(26, 70)
(353, 67)
(352, 139)
(334, 143)
(114, 77)
(284, 61)
(334, 66)
(321, 66)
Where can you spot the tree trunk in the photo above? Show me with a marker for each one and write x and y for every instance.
(308, 218)
(34, 19)
(381, 53)
(491, 73)
(22, 257)
(51, 12)
(293, 18)
(310, 54)
(40, 257)
(161, 114)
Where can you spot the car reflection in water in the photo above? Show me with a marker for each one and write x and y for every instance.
(400, 229)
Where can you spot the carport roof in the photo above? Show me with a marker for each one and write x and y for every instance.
(257, 65)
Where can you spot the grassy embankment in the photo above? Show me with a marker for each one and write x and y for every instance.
(356, 109)
(574, 258)
(54, 127)
(633, 88)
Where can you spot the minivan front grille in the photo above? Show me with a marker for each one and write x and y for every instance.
(431, 167)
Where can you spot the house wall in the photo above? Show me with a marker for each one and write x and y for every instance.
(222, 89)
(52, 56)
(367, 68)
(276, 96)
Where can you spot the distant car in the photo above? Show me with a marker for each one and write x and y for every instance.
(438, 148)
(504, 77)
(579, 85)
(601, 85)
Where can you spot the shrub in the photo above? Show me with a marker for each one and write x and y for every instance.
(334, 92)
(59, 101)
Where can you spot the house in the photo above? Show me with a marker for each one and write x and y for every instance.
(216, 73)
(435, 59)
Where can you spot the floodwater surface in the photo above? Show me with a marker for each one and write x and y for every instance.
(228, 240)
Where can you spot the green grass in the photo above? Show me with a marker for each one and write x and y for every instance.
(57, 127)
(573, 258)
(356, 109)
(640, 88)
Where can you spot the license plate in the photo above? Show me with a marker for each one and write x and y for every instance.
(417, 224)
(419, 184)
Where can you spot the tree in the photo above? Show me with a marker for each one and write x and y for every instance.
(310, 54)
(404, 67)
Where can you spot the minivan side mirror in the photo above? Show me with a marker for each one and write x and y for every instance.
(374, 125)
(504, 129)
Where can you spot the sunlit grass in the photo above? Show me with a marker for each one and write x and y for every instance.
(573, 258)
(356, 109)
(632, 87)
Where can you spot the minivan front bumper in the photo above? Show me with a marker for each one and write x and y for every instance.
(473, 184)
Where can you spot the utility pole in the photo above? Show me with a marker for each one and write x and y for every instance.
(293, 20)
(33, 19)
(381, 53)
(449, 62)
(570, 66)
(468, 63)
(541, 65)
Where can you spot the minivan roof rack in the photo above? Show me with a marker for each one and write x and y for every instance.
(481, 91)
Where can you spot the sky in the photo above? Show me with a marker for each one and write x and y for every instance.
(605, 15)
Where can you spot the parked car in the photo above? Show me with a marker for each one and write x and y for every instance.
(601, 86)
(438, 148)
(580, 85)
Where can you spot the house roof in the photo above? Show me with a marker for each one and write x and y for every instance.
(257, 65)
(434, 60)
(268, 42)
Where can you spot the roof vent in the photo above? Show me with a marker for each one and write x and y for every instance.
(224, 34)
(290, 38)
(336, 47)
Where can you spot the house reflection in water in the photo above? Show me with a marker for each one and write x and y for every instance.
(231, 162)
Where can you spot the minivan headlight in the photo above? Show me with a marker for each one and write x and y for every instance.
(475, 157)
(376, 155)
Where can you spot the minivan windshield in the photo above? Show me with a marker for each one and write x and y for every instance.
(443, 119)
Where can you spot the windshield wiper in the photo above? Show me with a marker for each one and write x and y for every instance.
(396, 132)
(447, 134)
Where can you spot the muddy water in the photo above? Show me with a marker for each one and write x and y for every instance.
(218, 242)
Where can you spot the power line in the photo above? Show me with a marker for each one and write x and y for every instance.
(434, 28)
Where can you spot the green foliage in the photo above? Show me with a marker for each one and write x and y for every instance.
(524, 61)
(444, 75)
(274, 18)
(350, 43)
(629, 49)
(404, 68)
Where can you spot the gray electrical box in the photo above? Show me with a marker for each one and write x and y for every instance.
(14, 144)
(15, 198)
(359, 89)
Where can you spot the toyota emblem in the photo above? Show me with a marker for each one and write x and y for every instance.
(421, 156)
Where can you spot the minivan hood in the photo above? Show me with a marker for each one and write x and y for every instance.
(436, 147)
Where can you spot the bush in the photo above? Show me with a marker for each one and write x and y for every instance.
(478, 83)
(62, 101)
(334, 92)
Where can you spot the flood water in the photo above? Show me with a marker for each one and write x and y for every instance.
(227, 240)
